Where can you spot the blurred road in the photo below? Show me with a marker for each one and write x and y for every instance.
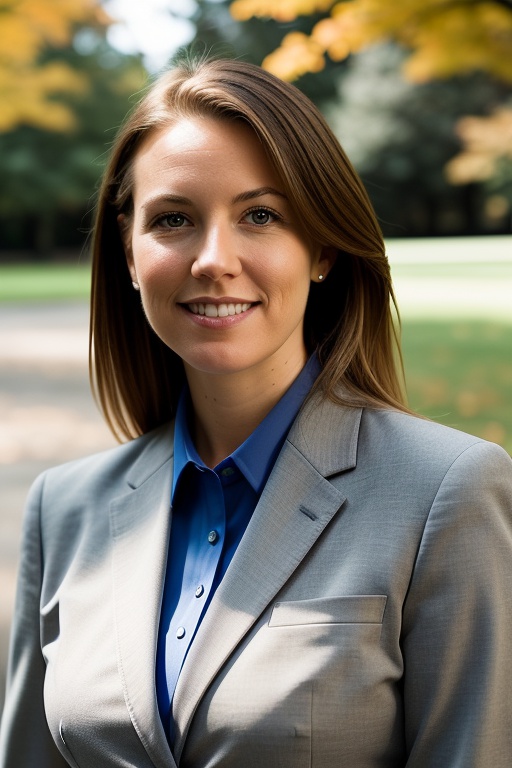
(47, 416)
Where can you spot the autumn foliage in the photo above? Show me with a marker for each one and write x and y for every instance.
(445, 37)
(27, 28)
(487, 140)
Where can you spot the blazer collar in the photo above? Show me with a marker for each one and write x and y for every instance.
(297, 504)
(327, 435)
(158, 448)
(328, 450)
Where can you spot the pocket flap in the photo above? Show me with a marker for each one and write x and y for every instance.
(349, 609)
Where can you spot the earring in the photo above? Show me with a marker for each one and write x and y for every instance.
(136, 286)
(320, 277)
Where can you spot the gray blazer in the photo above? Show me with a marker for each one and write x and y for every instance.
(365, 620)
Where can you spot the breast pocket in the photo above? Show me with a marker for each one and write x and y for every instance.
(346, 609)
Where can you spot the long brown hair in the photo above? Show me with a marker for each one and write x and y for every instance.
(349, 317)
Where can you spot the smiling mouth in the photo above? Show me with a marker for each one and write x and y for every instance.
(218, 310)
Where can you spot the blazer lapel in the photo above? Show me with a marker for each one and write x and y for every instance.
(295, 507)
(140, 524)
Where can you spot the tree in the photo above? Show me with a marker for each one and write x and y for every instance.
(444, 37)
(442, 40)
(27, 85)
(49, 177)
(400, 136)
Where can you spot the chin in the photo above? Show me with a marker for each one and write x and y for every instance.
(219, 362)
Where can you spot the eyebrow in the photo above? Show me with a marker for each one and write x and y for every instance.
(241, 198)
(260, 192)
(174, 199)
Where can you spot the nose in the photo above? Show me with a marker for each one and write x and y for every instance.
(216, 256)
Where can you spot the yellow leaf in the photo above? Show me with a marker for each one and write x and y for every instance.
(27, 27)
(327, 34)
(486, 140)
(461, 40)
(26, 100)
(445, 38)
(297, 55)
(281, 10)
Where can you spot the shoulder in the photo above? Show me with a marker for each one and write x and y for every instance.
(425, 452)
(68, 505)
(413, 432)
(417, 437)
(389, 444)
(411, 470)
(105, 471)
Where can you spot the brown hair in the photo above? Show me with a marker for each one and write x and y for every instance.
(135, 376)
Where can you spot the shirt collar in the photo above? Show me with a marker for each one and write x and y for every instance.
(256, 456)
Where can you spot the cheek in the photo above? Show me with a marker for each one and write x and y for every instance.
(289, 274)
(159, 271)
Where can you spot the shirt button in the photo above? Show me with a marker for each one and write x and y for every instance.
(180, 632)
(227, 472)
(213, 536)
(199, 591)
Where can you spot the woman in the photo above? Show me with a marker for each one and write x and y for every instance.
(282, 566)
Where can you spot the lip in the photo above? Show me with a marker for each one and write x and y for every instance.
(227, 321)
(217, 301)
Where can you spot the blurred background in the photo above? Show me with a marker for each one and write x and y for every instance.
(419, 93)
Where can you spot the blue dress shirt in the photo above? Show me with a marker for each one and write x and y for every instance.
(211, 509)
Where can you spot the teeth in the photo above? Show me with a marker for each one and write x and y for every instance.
(218, 310)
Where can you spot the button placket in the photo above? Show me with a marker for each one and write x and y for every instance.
(193, 598)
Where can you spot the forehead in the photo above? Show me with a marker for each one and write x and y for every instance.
(202, 141)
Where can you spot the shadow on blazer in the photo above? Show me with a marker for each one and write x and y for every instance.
(365, 619)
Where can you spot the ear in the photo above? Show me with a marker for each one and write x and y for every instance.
(323, 262)
(125, 230)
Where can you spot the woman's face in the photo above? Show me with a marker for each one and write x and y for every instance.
(224, 267)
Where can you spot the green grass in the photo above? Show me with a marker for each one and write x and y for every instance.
(460, 374)
(483, 270)
(45, 282)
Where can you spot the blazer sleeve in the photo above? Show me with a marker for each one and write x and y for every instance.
(457, 620)
(25, 740)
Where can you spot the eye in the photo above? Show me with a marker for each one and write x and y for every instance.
(172, 220)
(260, 216)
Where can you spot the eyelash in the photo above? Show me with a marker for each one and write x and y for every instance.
(160, 220)
(264, 209)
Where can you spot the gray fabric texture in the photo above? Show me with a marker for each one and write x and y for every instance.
(365, 619)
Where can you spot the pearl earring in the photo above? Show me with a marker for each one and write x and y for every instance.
(320, 277)
(136, 286)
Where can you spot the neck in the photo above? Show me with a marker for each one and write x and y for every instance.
(227, 408)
